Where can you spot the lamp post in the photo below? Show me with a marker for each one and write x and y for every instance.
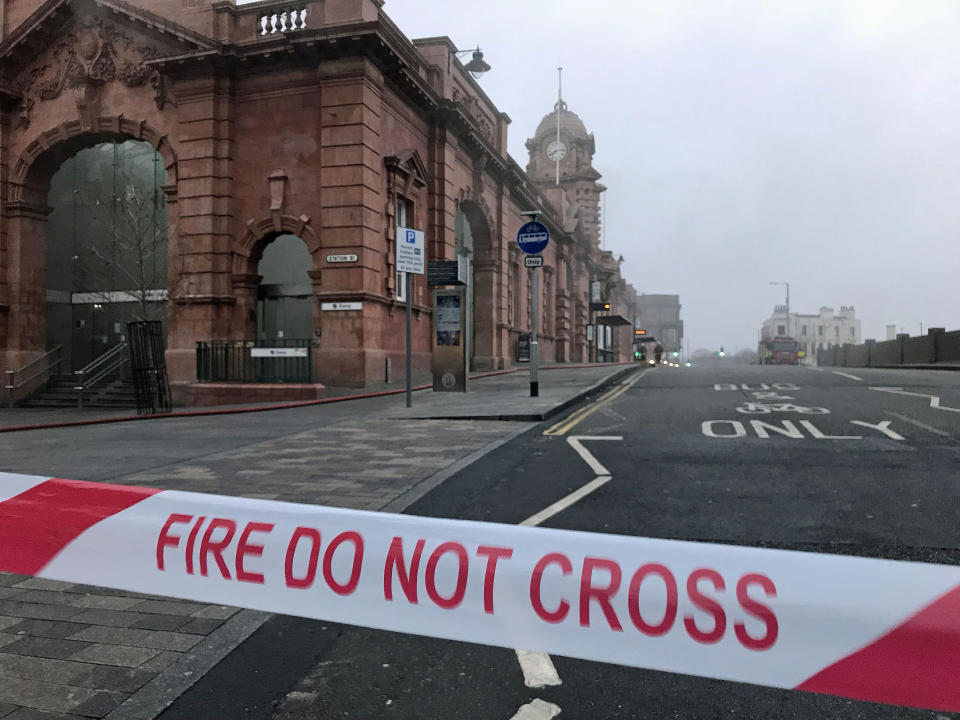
(780, 282)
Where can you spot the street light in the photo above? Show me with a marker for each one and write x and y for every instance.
(477, 66)
(776, 282)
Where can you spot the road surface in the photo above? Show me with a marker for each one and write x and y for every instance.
(859, 462)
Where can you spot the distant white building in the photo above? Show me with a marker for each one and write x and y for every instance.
(814, 332)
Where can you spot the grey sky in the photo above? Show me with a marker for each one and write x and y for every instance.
(742, 142)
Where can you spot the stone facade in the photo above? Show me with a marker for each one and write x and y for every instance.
(313, 119)
(821, 331)
(659, 315)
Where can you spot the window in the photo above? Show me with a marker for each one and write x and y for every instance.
(404, 210)
(781, 330)
(820, 330)
(836, 331)
(803, 330)
(853, 333)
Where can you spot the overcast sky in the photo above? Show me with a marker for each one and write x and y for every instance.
(809, 141)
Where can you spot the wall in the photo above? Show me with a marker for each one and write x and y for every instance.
(937, 347)
(292, 133)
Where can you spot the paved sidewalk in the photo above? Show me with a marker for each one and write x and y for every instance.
(507, 397)
(70, 651)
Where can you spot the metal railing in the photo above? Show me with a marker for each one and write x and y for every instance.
(34, 369)
(106, 366)
(255, 361)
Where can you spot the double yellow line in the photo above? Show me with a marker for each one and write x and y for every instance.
(567, 424)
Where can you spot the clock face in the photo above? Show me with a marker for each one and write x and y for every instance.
(556, 150)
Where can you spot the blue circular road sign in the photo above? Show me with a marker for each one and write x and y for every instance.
(533, 238)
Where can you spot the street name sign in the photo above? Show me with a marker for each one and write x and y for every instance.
(411, 251)
(341, 306)
(347, 258)
(292, 352)
(533, 238)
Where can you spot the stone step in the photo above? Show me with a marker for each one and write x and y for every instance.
(61, 392)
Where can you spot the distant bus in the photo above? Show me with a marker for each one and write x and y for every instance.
(780, 351)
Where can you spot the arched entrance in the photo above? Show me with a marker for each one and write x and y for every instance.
(106, 248)
(473, 244)
(24, 264)
(285, 293)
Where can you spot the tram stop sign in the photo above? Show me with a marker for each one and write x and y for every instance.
(533, 238)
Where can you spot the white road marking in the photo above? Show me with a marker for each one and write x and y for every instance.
(589, 459)
(882, 426)
(815, 369)
(817, 435)
(537, 710)
(923, 426)
(847, 375)
(772, 396)
(788, 429)
(739, 431)
(566, 502)
(538, 669)
(934, 399)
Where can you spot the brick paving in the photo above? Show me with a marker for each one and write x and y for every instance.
(76, 651)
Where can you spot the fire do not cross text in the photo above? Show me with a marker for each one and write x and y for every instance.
(648, 597)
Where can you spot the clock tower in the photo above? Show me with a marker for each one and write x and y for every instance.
(574, 149)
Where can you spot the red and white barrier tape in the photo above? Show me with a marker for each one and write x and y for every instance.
(875, 630)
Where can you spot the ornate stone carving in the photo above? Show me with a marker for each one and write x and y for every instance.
(93, 54)
(471, 108)
(479, 167)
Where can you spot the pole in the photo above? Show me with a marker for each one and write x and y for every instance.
(409, 353)
(788, 309)
(534, 345)
(559, 107)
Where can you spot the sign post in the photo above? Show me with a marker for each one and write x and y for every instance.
(533, 238)
(410, 260)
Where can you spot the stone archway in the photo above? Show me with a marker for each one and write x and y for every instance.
(247, 254)
(105, 249)
(474, 243)
(25, 220)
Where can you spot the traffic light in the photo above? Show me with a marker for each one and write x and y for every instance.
(676, 354)
(636, 354)
(721, 353)
(599, 306)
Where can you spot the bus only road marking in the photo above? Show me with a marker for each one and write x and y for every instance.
(790, 429)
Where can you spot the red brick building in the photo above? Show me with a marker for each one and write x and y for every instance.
(316, 119)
